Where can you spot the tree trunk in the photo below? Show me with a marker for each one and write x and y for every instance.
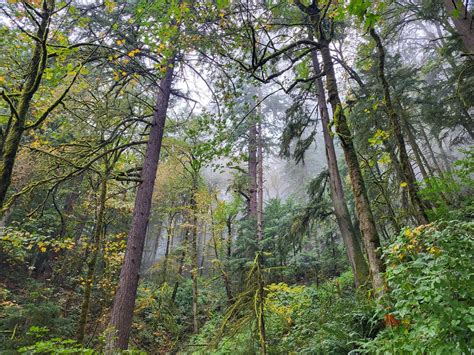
(252, 170)
(430, 151)
(169, 234)
(462, 22)
(259, 212)
(11, 144)
(194, 255)
(425, 169)
(353, 248)
(259, 183)
(150, 257)
(378, 180)
(202, 248)
(91, 265)
(229, 236)
(444, 156)
(124, 303)
(366, 219)
(408, 174)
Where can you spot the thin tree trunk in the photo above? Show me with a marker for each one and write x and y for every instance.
(156, 243)
(203, 248)
(259, 212)
(169, 234)
(444, 156)
(427, 171)
(259, 183)
(378, 181)
(229, 236)
(353, 248)
(124, 303)
(194, 255)
(252, 170)
(91, 265)
(408, 174)
(416, 152)
(430, 151)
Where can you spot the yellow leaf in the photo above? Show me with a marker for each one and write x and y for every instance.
(132, 53)
(403, 184)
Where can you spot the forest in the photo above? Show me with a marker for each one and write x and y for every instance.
(236, 176)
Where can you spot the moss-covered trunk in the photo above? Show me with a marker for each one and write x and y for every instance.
(20, 108)
(364, 211)
(349, 236)
(407, 170)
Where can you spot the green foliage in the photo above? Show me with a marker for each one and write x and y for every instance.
(367, 11)
(430, 278)
(34, 314)
(302, 319)
(56, 346)
(17, 244)
(451, 193)
(322, 320)
(157, 319)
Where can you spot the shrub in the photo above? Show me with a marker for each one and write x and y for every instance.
(451, 193)
(430, 300)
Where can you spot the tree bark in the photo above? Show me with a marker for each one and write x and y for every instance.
(229, 236)
(124, 303)
(408, 174)
(252, 170)
(353, 248)
(462, 22)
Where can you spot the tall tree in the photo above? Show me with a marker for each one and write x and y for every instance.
(348, 233)
(124, 302)
(396, 126)
(364, 211)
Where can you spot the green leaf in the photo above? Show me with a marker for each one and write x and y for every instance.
(222, 4)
